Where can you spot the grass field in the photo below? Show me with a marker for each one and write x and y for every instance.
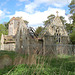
(60, 65)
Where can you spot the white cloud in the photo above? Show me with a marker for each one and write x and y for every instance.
(30, 8)
(2, 14)
(58, 3)
(38, 17)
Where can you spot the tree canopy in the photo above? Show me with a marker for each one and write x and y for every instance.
(38, 30)
(6, 25)
(3, 30)
(50, 19)
(71, 27)
(72, 10)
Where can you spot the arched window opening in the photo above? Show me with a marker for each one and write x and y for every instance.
(59, 40)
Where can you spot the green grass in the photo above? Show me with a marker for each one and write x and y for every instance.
(5, 70)
(54, 66)
(61, 65)
(64, 56)
(11, 54)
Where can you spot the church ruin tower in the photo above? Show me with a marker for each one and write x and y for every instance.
(14, 22)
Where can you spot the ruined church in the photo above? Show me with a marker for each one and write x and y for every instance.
(23, 39)
(47, 42)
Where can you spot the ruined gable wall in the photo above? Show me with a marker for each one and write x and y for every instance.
(22, 38)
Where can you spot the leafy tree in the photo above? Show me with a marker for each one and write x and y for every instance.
(72, 37)
(38, 30)
(3, 30)
(72, 10)
(6, 25)
(72, 6)
(63, 19)
(69, 27)
(26, 22)
(50, 19)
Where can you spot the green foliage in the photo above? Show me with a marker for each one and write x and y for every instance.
(6, 25)
(72, 37)
(51, 66)
(72, 6)
(73, 18)
(26, 22)
(69, 27)
(72, 10)
(38, 30)
(5, 70)
(12, 54)
(50, 19)
(63, 19)
(3, 30)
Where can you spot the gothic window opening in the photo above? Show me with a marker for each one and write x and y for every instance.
(56, 30)
(59, 40)
(57, 35)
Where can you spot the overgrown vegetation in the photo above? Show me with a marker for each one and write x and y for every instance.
(3, 30)
(11, 54)
(45, 65)
(54, 66)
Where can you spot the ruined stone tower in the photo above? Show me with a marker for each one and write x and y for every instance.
(14, 22)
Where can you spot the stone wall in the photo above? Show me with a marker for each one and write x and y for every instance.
(65, 39)
(9, 47)
(35, 46)
(66, 49)
(22, 38)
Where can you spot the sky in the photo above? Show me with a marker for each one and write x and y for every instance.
(34, 11)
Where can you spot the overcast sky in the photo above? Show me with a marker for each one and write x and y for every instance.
(34, 11)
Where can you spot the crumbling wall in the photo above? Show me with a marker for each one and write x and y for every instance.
(9, 47)
(35, 46)
(49, 45)
(22, 38)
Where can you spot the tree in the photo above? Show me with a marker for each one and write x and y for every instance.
(6, 25)
(38, 30)
(63, 19)
(72, 37)
(26, 22)
(72, 6)
(69, 27)
(72, 10)
(3, 30)
(50, 19)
